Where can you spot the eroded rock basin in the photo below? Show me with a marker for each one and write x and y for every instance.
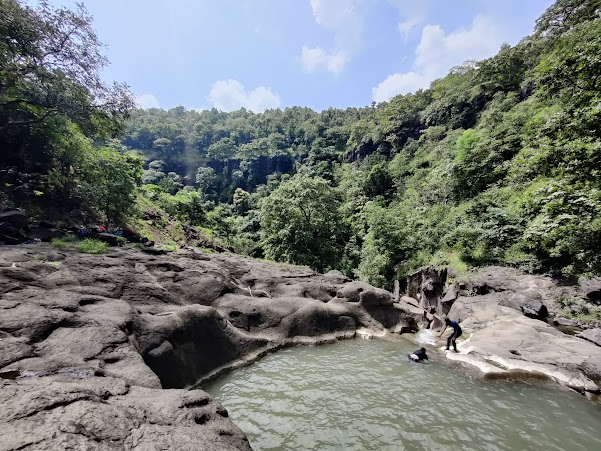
(365, 394)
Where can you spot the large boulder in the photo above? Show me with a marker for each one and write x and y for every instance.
(501, 340)
(566, 322)
(447, 301)
(409, 300)
(16, 218)
(44, 233)
(426, 285)
(108, 238)
(417, 313)
(10, 234)
(533, 308)
(436, 322)
(591, 288)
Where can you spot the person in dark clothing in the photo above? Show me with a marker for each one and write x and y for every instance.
(419, 355)
(454, 336)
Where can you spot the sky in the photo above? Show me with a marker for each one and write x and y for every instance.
(262, 54)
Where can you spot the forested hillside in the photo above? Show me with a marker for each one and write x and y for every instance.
(498, 162)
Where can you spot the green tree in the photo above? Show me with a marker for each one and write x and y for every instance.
(563, 15)
(50, 64)
(378, 181)
(206, 179)
(301, 223)
(110, 184)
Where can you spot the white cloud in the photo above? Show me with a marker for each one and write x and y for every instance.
(231, 95)
(438, 52)
(408, 25)
(336, 15)
(399, 84)
(343, 19)
(315, 58)
(147, 101)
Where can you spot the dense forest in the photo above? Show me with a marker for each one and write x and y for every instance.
(496, 163)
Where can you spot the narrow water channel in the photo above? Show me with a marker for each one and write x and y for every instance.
(366, 395)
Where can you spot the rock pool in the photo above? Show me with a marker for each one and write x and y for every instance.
(366, 395)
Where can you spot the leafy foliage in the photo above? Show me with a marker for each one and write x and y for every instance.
(497, 162)
(300, 223)
(56, 115)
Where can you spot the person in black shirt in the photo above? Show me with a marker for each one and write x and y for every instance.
(419, 355)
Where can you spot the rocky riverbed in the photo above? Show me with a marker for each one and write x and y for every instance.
(508, 320)
(96, 352)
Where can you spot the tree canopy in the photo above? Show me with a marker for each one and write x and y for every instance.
(56, 113)
(495, 163)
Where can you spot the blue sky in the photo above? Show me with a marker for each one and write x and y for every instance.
(276, 53)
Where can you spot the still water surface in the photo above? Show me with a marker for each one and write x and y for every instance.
(366, 395)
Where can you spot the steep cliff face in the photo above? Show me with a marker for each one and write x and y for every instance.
(97, 349)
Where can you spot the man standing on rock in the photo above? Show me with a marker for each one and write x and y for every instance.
(454, 336)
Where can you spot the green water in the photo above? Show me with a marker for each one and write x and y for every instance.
(366, 395)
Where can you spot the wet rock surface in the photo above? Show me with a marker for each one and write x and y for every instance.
(509, 330)
(512, 323)
(97, 351)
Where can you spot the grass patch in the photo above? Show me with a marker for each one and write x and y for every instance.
(580, 310)
(58, 243)
(177, 232)
(169, 247)
(70, 238)
(453, 260)
(90, 246)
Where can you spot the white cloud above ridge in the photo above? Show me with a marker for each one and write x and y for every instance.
(146, 101)
(438, 52)
(343, 19)
(396, 84)
(231, 95)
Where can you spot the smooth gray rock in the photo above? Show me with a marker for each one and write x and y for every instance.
(102, 413)
(409, 300)
(591, 288)
(516, 344)
(534, 309)
(16, 218)
(97, 349)
(592, 335)
(565, 322)
(447, 300)
(417, 313)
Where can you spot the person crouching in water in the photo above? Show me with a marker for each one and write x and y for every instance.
(419, 355)
(454, 336)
